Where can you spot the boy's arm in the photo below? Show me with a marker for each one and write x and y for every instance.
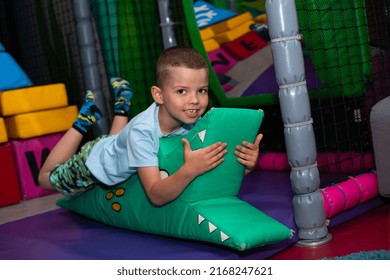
(248, 153)
(161, 191)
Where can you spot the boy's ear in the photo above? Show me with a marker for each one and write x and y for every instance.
(156, 94)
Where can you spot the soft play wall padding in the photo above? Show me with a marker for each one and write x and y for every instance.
(41, 123)
(3, 132)
(11, 75)
(338, 48)
(208, 210)
(31, 99)
(380, 128)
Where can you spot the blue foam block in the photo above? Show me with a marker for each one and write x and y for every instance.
(11, 75)
(206, 14)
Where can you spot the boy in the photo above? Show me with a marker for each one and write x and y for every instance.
(181, 98)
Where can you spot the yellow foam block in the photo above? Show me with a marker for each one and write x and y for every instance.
(206, 33)
(210, 45)
(231, 23)
(32, 99)
(3, 132)
(235, 33)
(261, 18)
(40, 123)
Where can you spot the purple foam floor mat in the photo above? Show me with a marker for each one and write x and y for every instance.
(64, 235)
(266, 82)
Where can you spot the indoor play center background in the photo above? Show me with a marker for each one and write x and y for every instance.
(45, 73)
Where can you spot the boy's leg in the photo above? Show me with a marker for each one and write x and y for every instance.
(62, 151)
(70, 142)
(123, 95)
(73, 177)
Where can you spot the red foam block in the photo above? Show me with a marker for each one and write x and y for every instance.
(244, 46)
(9, 184)
(30, 155)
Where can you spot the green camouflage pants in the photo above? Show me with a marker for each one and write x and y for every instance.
(73, 177)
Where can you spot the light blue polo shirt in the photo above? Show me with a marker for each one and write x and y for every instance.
(114, 159)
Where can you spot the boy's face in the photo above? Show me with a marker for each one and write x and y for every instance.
(183, 97)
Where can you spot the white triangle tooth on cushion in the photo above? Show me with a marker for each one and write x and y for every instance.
(200, 219)
(212, 227)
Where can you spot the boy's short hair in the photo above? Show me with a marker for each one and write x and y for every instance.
(178, 57)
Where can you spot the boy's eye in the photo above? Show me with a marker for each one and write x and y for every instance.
(181, 91)
(203, 91)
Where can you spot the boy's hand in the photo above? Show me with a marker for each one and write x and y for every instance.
(202, 160)
(248, 153)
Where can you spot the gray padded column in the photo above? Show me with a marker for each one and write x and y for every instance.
(166, 24)
(301, 149)
(89, 61)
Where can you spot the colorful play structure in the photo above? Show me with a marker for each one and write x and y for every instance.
(33, 119)
(290, 198)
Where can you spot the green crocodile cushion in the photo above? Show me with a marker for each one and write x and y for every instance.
(208, 210)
